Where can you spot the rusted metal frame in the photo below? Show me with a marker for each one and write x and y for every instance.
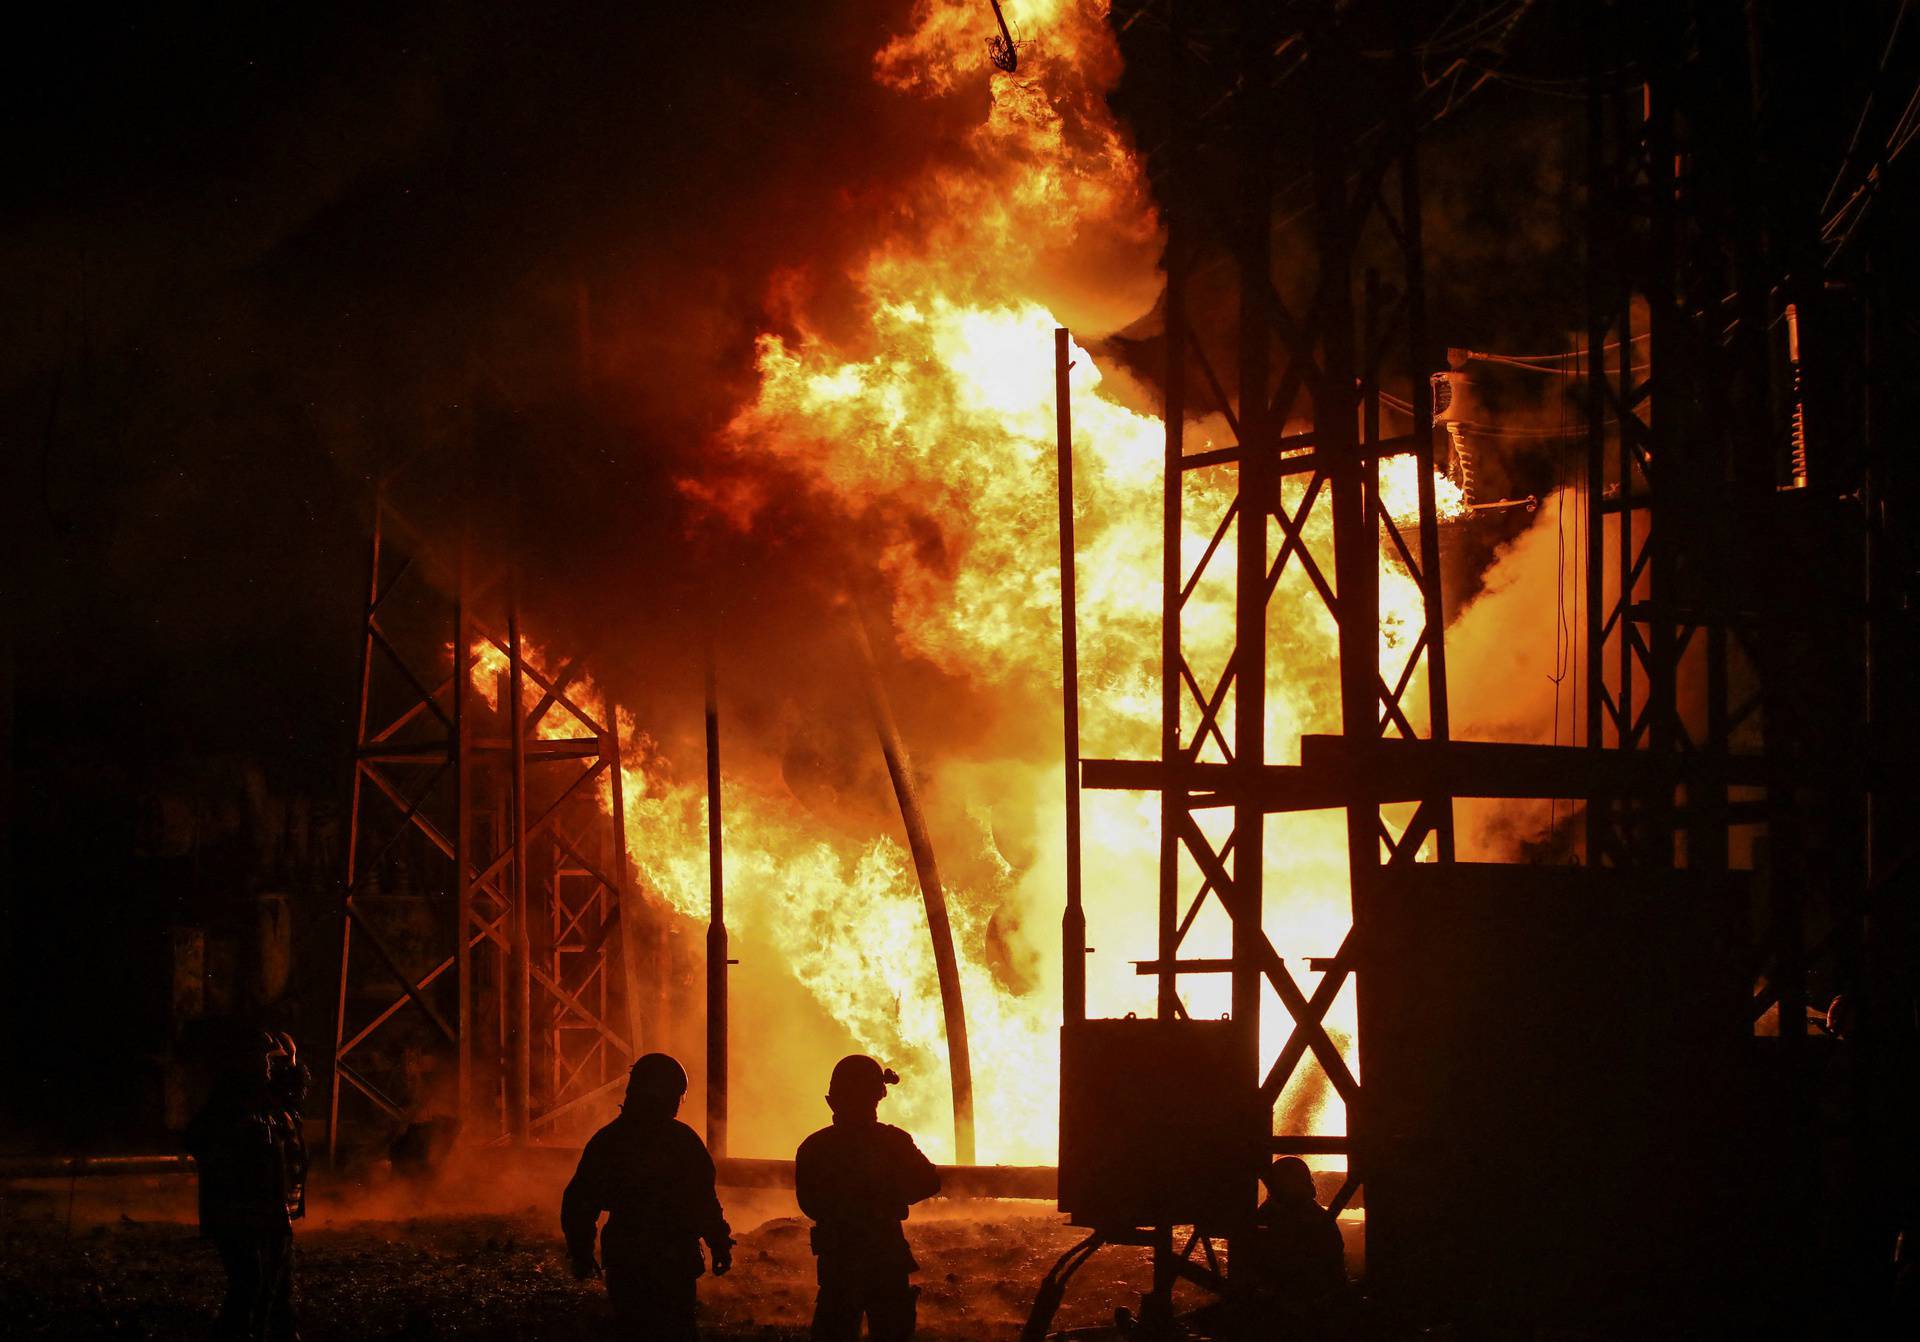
(1296, 452)
(394, 795)
(387, 1012)
(1173, 467)
(542, 682)
(1384, 835)
(1399, 543)
(1665, 345)
(609, 920)
(1406, 850)
(1250, 241)
(518, 988)
(1303, 367)
(1210, 709)
(409, 814)
(562, 1083)
(366, 1088)
(1393, 712)
(418, 707)
(1604, 697)
(392, 963)
(381, 594)
(547, 817)
(1209, 720)
(1296, 543)
(1192, 914)
(1219, 534)
(566, 917)
(353, 823)
(1220, 397)
(1332, 979)
(626, 903)
(464, 937)
(587, 865)
(1609, 313)
(1354, 487)
(1271, 967)
(560, 1111)
(539, 974)
(425, 695)
(1420, 645)
(562, 678)
(1344, 1194)
(1200, 1276)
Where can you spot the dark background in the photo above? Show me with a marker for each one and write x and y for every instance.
(254, 254)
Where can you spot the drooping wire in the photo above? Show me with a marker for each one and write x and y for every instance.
(1866, 109)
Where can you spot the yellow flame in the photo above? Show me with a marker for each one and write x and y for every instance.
(945, 411)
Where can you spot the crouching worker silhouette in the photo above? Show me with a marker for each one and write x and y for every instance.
(856, 1179)
(1296, 1267)
(654, 1178)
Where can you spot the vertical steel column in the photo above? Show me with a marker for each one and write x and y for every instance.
(1599, 304)
(353, 823)
(1420, 393)
(520, 970)
(463, 870)
(717, 1075)
(1258, 494)
(625, 897)
(1173, 799)
(1073, 925)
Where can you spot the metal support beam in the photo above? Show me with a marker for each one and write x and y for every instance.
(480, 836)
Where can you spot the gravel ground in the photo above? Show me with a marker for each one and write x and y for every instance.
(122, 1259)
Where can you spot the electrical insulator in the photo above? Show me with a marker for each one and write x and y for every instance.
(1452, 409)
(1797, 407)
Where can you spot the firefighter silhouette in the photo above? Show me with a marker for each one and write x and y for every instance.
(651, 1173)
(856, 1179)
(251, 1158)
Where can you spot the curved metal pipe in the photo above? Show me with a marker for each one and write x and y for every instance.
(939, 927)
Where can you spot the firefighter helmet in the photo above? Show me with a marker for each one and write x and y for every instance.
(859, 1079)
(657, 1076)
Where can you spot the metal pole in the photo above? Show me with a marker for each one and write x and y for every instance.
(939, 927)
(626, 899)
(353, 827)
(1598, 323)
(520, 1010)
(1073, 926)
(717, 1077)
(463, 827)
(1174, 412)
(1420, 392)
(1258, 495)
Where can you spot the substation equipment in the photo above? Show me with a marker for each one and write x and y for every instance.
(486, 883)
(1599, 1066)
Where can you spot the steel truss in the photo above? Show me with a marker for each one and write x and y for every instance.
(527, 964)
(1700, 607)
(1313, 346)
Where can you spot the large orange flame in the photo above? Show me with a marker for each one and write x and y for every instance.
(942, 408)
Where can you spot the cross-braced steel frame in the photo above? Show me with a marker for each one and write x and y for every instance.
(1313, 344)
(495, 804)
(1698, 611)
